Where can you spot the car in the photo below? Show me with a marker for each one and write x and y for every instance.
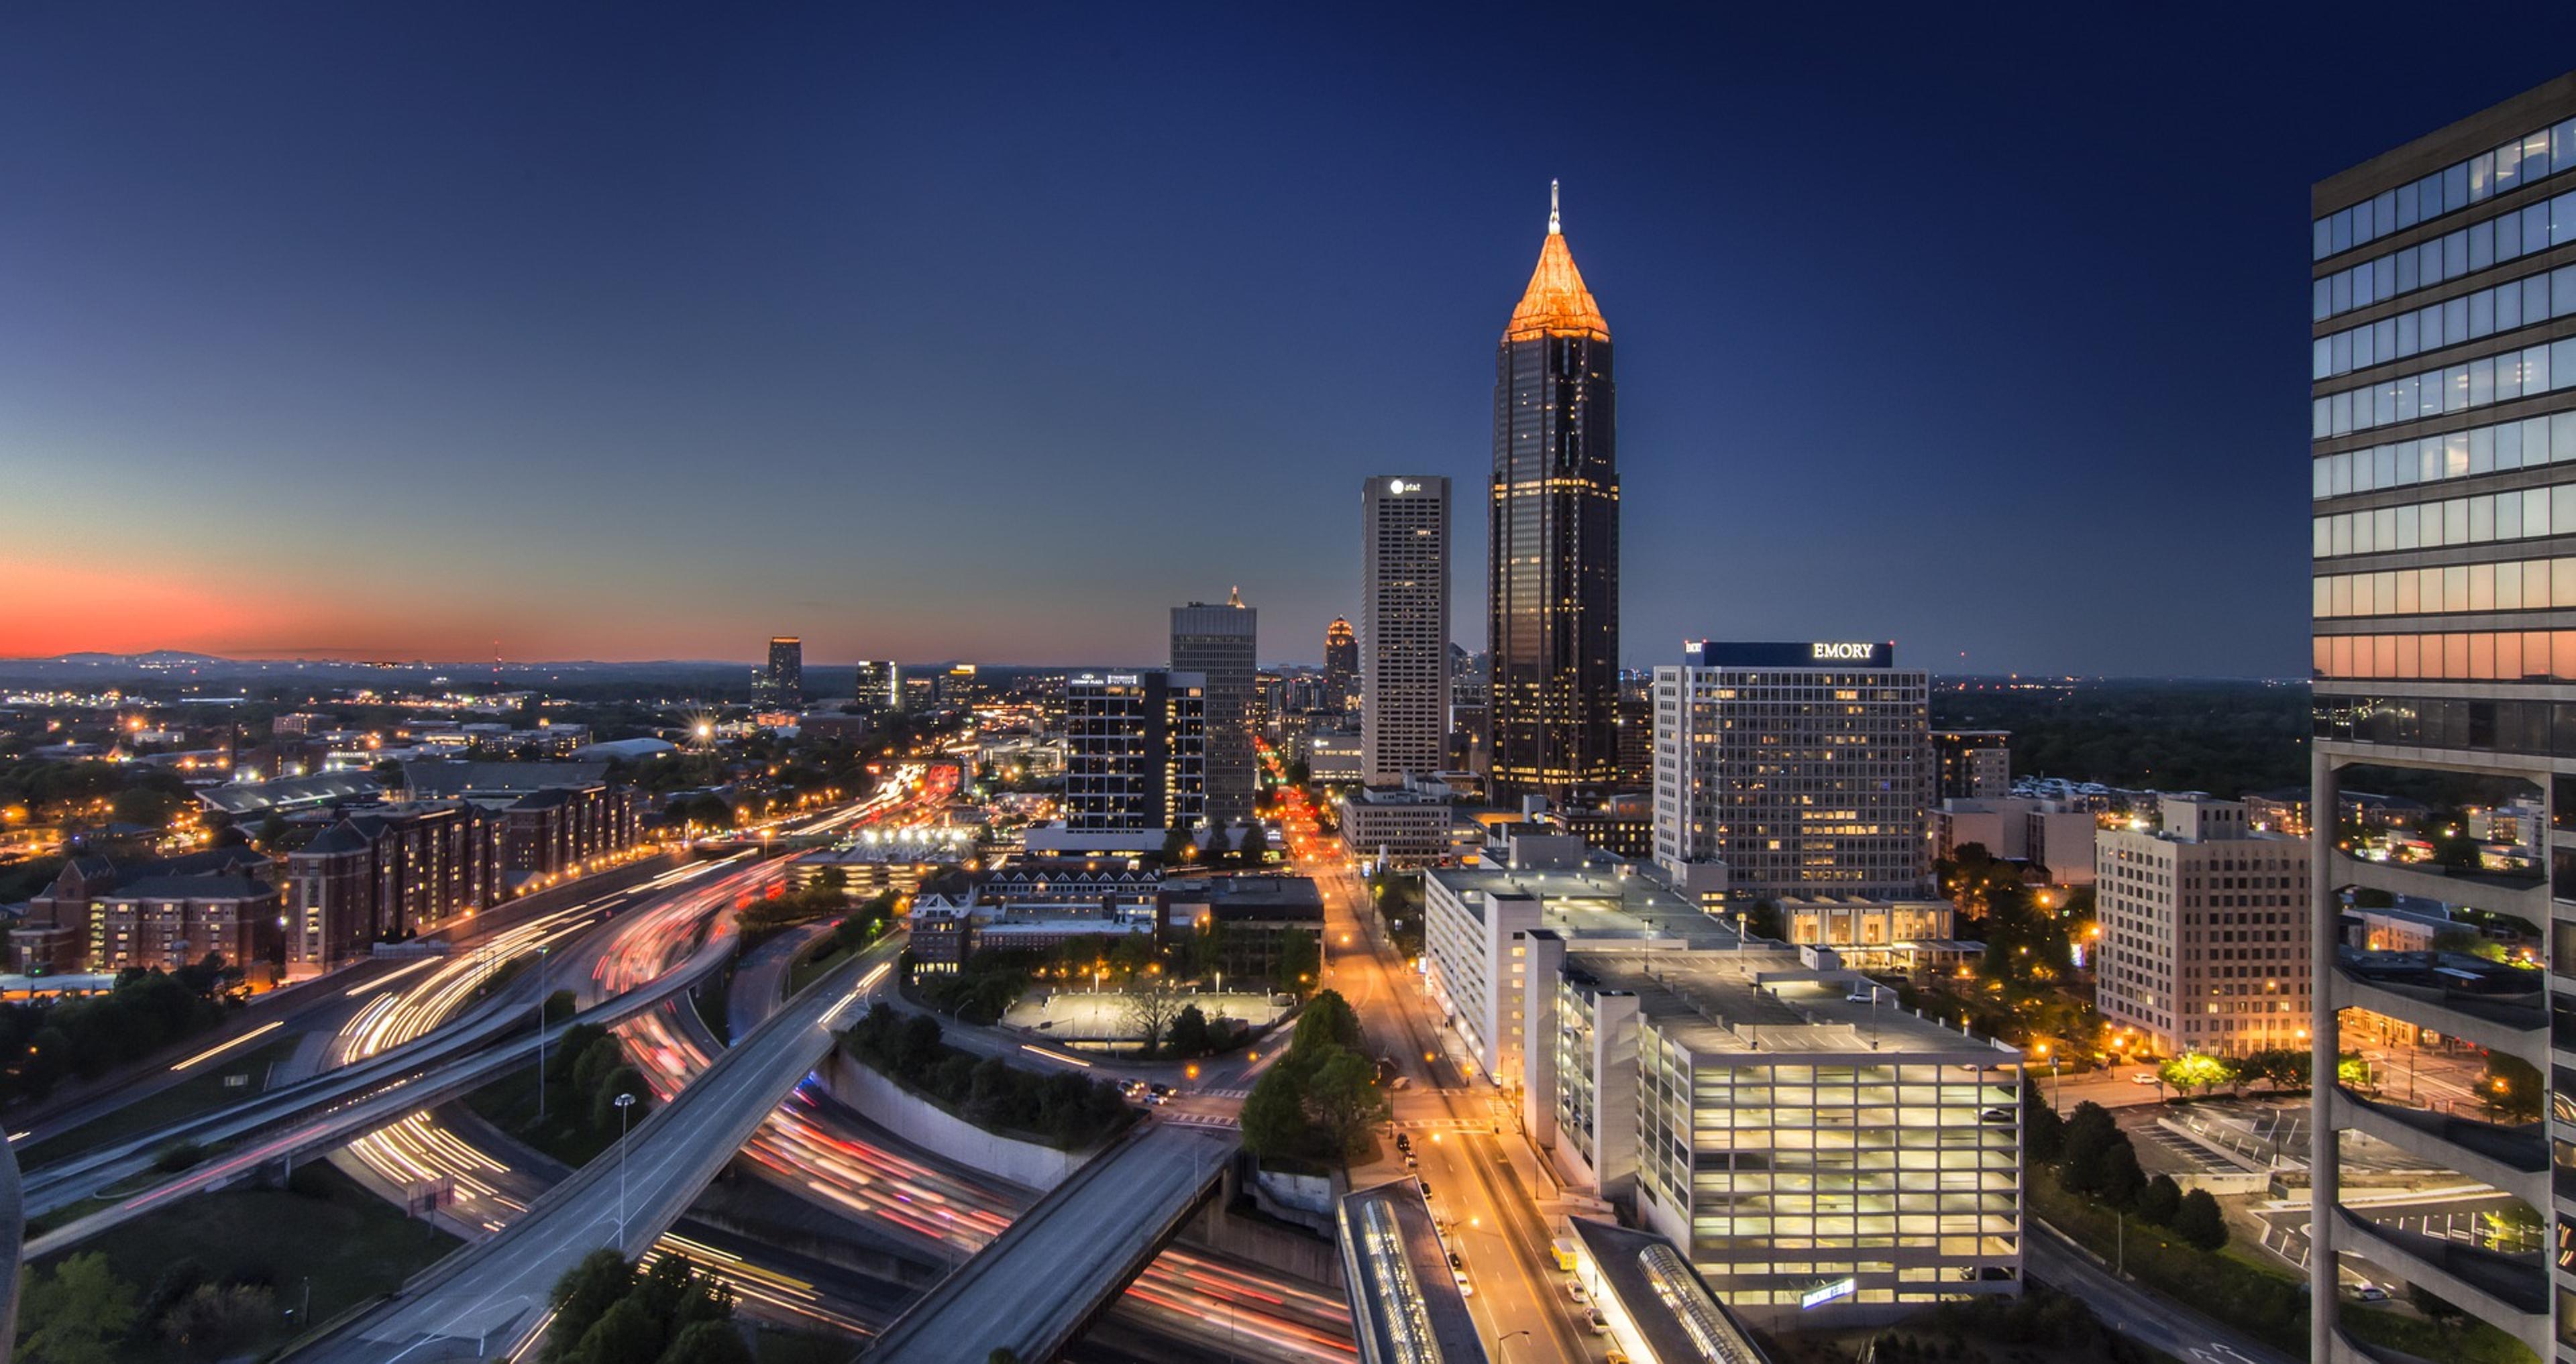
(1618, 1357)
(1574, 1291)
(2144, 1077)
(1162, 1089)
(1410, 1163)
(1600, 1324)
(1465, 1289)
(1457, 1261)
(1995, 1115)
(2371, 1292)
(1426, 1189)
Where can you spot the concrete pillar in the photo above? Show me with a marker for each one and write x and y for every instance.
(2324, 1121)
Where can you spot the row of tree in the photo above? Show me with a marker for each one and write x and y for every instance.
(1317, 1103)
(146, 1011)
(82, 1313)
(2094, 1158)
(1062, 1108)
(609, 1312)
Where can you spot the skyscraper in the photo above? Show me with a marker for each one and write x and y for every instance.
(1804, 768)
(782, 683)
(1404, 626)
(2442, 399)
(1217, 642)
(1553, 571)
(1341, 660)
(877, 684)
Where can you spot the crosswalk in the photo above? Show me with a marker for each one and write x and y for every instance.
(1227, 1093)
(1216, 1120)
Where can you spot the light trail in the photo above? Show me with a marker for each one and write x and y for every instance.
(220, 1048)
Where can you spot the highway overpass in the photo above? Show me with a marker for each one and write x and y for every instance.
(342, 1104)
(492, 1295)
(1035, 1286)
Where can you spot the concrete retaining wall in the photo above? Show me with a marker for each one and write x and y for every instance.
(924, 1124)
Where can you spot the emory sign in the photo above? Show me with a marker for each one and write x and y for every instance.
(1837, 653)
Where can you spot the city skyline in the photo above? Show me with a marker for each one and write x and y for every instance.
(520, 346)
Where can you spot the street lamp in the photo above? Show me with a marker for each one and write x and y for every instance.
(1506, 1339)
(624, 1102)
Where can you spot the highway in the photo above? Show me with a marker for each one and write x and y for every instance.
(2156, 1322)
(495, 1291)
(1035, 1286)
(371, 1094)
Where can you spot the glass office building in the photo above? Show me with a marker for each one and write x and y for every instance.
(2443, 534)
(1553, 552)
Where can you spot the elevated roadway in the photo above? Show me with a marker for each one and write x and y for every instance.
(492, 1295)
(339, 1105)
(1036, 1285)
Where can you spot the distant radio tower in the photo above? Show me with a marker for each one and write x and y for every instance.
(496, 665)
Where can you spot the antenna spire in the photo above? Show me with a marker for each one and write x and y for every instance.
(1552, 227)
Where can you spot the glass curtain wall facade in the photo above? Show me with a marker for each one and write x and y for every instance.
(1135, 752)
(1404, 626)
(2441, 404)
(1218, 644)
(1553, 567)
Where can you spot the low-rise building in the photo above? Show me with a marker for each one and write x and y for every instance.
(386, 874)
(1407, 825)
(1251, 915)
(162, 923)
(2051, 834)
(54, 935)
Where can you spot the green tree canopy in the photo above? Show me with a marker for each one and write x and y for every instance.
(2198, 1220)
(76, 1314)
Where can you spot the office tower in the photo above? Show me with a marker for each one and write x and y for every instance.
(1553, 566)
(1975, 764)
(1342, 661)
(782, 683)
(1801, 767)
(961, 687)
(1216, 642)
(1135, 752)
(1404, 626)
(2204, 931)
(879, 685)
(2439, 404)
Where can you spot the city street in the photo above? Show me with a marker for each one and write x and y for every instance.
(1460, 1129)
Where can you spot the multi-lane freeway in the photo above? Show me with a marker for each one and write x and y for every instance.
(495, 1290)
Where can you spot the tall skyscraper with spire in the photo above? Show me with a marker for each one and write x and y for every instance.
(1553, 574)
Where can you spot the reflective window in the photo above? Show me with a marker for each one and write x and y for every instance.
(2434, 392)
(2551, 222)
(2518, 162)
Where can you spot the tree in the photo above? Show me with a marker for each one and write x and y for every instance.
(1274, 1116)
(1150, 1007)
(1190, 1035)
(623, 1334)
(1255, 846)
(2159, 1201)
(1343, 1097)
(2122, 1180)
(560, 1005)
(583, 1295)
(2198, 1220)
(2043, 1133)
(1178, 845)
(603, 1104)
(216, 1320)
(707, 1342)
(2195, 1070)
(1327, 1021)
(2088, 1129)
(1301, 961)
(76, 1314)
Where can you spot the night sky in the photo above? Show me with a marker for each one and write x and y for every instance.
(936, 331)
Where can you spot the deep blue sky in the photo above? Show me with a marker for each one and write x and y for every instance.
(943, 331)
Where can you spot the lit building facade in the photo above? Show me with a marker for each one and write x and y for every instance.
(1341, 662)
(1976, 764)
(1552, 579)
(2442, 399)
(1217, 643)
(877, 684)
(1801, 767)
(1404, 626)
(2204, 931)
(782, 680)
(1135, 752)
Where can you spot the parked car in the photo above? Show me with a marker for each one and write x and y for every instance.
(1600, 1324)
(1574, 1290)
(1465, 1289)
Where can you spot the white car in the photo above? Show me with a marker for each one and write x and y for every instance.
(1465, 1289)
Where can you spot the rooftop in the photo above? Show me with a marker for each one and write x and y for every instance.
(1556, 302)
(1662, 1296)
(293, 793)
(1403, 1294)
(1763, 999)
(1593, 903)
